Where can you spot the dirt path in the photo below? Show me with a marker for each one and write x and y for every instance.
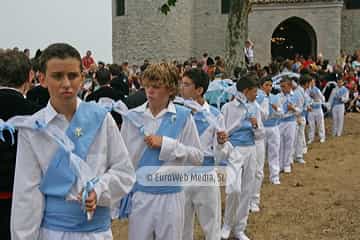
(319, 200)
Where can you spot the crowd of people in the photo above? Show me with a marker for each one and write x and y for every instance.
(79, 139)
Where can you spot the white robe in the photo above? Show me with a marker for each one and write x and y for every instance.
(205, 201)
(107, 155)
(160, 215)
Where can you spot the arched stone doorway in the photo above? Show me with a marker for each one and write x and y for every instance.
(293, 36)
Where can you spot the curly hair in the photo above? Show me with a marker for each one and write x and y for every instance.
(15, 67)
(162, 74)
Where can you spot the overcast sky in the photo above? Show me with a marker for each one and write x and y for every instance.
(86, 24)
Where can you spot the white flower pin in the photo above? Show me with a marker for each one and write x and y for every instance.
(78, 132)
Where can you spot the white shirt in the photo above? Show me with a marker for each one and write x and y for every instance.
(209, 143)
(283, 98)
(108, 157)
(335, 91)
(234, 112)
(184, 149)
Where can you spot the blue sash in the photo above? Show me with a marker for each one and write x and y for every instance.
(272, 121)
(201, 122)
(290, 99)
(244, 135)
(337, 99)
(170, 127)
(316, 105)
(260, 96)
(201, 125)
(67, 216)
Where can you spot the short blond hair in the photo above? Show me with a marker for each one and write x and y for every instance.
(162, 74)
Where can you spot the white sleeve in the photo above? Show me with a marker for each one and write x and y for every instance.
(264, 108)
(321, 96)
(28, 201)
(221, 151)
(332, 96)
(120, 175)
(224, 150)
(259, 132)
(186, 148)
(345, 98)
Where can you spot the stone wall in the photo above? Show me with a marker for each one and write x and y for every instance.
(325, 19)
(197, 26)
(350, 31)
(209, 28)
(144, 32)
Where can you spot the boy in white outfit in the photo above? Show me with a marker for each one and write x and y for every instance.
(205, 201)
(303, 101)
(242, 118)
(316, 115)
(338, 97)
(159, 134)
(287, 124)
(262, 103)
(272, 132)
(47, 190)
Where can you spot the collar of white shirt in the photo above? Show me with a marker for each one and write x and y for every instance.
(51, 113)
(205, 107)
(144, 109)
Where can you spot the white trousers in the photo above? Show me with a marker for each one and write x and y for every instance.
(205, 201)
(316, 120)
(259, 171)
(157, 216)
(287, 138)
(338, 119)
(300, 142)
(237, 203)
(273, 151)
(46, 234)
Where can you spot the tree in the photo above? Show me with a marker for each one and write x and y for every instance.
(236, 33)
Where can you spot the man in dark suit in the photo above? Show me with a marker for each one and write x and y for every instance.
(139, 97)
(103, 77)
(38, 95)
(15, 78)
(119, 81)
(136, 99)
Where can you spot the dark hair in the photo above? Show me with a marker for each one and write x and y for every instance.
(103, 76)
(199, 78)
(115, 69)
(248, 81)
(15, 67)
(265, 79)
(286, 79)
(304, 79)
(210, 61)
(61, 51)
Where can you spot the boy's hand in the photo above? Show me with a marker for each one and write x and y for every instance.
(275, 107)
(309, 109)
(153, 141)
(291, 107)
(222, 137)
(90, 201)
(254, 122)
